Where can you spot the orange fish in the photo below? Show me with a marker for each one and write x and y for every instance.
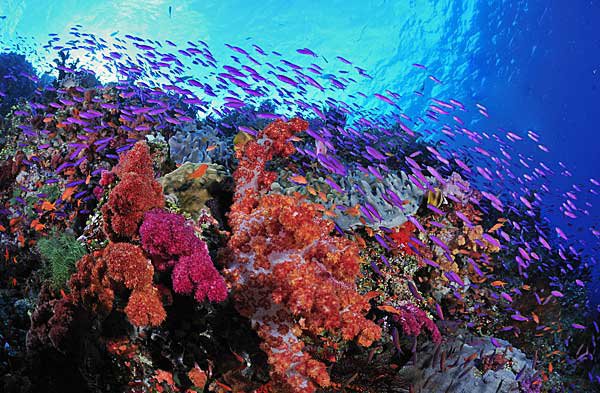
(387, 308)
(211, 147)
(2, 228)
(550, 368)
(294, 138)
(498, 283)
(311, 190)
(37, 226)
(198, 173)
(536, 319)
(227, 388)
(299, 179)
(322, 196)
(353, 211)
(329, 213)
(66, 195)
(47, 206)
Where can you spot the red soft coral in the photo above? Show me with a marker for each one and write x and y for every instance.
(90, 285)
(127, 264)
(402, 237)
(145, 307)
(136, 193)
(138, 160)
(94, 283)
(288, 274)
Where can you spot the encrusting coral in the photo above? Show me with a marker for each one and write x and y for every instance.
(289, 276)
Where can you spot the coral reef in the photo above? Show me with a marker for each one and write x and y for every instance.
(288, 275)
(351, 252)
(136, 193)
(171, 242)
(192, 192)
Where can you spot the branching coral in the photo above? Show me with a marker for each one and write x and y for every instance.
(136, 193)
(290, 277)
(171, 241)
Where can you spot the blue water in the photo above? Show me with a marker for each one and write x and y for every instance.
(534, 64)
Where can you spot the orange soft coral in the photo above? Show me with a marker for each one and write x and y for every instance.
(90, 286)
(94, 283)
(289, 275)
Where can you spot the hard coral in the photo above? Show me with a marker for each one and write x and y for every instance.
(171, 241)
(290, 277)
(136, 193)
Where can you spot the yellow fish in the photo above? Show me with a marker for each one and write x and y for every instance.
(435, 197)
(241, 139)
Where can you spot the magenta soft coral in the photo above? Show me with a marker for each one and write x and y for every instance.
(413, 320)
(170, 241)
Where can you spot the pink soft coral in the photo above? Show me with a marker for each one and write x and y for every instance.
(170, 241)
(166, 237)
(413, 320)
(196, 273)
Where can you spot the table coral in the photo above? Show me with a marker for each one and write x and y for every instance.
(289, 276)
(191, 192)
